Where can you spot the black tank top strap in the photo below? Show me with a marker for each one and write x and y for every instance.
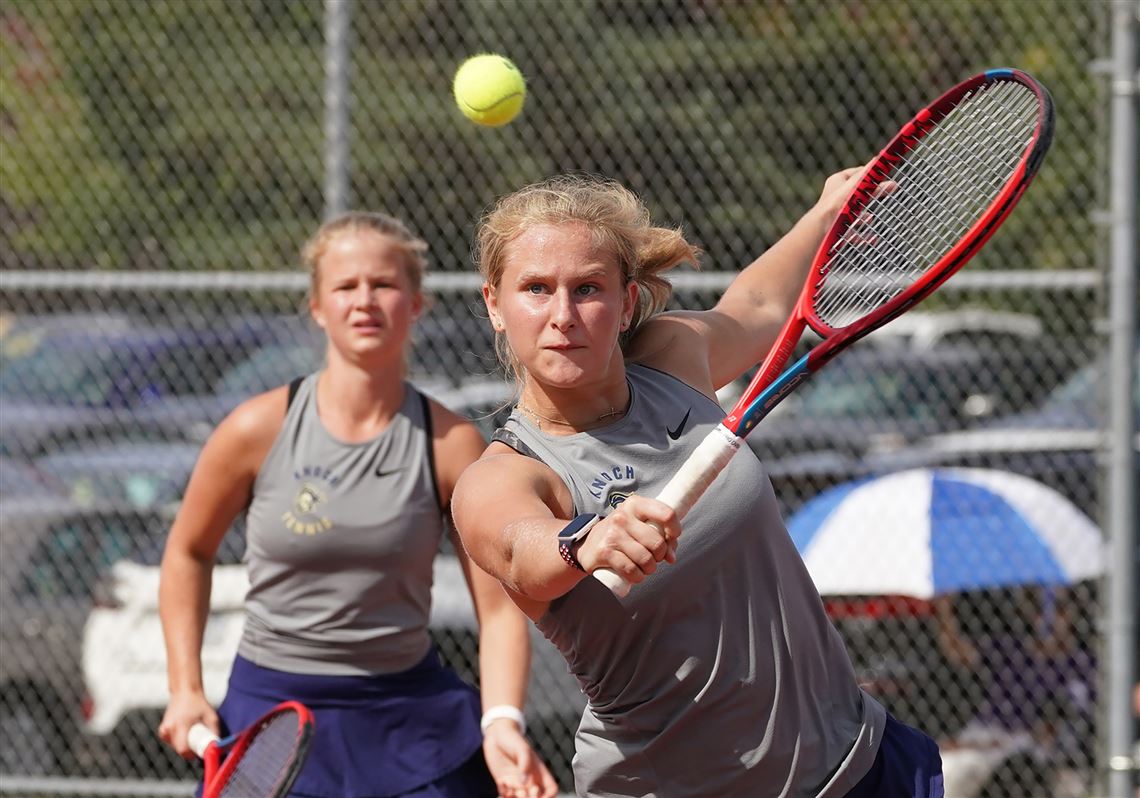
(294, 384)
(426, 406)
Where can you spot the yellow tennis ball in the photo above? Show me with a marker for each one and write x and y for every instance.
(489, 89)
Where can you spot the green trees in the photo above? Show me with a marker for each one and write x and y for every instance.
(171, 134)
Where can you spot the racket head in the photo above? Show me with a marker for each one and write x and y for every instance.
(923, 207)
(263, 760)
(929, 201)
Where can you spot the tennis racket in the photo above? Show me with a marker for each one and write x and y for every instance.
(260, 762)
(924, 206)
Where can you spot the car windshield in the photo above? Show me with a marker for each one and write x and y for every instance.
(75, 553)
(54, 372)
(1082, 392)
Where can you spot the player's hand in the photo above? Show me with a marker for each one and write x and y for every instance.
(515, 767)
(633, 539)
(184, 710)
(835, 191)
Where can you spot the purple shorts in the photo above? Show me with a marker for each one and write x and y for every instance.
(908, 765)
(414, 733)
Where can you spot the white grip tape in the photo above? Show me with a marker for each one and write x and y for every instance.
(700, 470)
(618, 586)
(199, 739)
(687, 486)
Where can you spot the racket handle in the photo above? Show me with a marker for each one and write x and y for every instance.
(200, 738)
(686, 487)
(618, 586)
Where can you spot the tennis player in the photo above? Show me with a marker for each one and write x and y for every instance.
(346, 477)
(720, 674)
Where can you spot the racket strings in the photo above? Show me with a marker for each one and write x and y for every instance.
(264, 765)
(942, 185)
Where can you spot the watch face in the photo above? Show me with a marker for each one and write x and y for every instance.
(576, 526)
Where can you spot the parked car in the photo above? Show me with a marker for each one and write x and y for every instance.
(441, 360)
(924, 330)
(64, 382)
(54, 551)
(880, 398)
(977, 326)
(1058, 443)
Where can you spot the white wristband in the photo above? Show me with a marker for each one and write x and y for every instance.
(503, 711)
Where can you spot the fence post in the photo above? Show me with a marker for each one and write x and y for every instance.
(338, 14)
(1121, 644)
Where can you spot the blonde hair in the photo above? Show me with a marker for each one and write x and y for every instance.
(619, 223)
(413, 247)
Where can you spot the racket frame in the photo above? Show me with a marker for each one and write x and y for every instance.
(772, 382)
(768, 387)
(221, 756)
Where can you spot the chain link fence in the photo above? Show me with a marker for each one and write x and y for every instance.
(163, 160)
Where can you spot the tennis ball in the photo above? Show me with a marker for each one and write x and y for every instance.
(489, 89)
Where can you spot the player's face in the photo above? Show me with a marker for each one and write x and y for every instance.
(562, 303)
(364, 301)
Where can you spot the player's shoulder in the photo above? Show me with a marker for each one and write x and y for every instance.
(258, 419)
(502, 463)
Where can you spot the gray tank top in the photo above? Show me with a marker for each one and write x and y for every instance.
(340, 541)
(717, 676)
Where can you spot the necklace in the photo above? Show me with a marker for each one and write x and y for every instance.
(613, 412)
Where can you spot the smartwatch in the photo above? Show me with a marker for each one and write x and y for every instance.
(574, 533)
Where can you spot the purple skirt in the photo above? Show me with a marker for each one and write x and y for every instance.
(410, 733)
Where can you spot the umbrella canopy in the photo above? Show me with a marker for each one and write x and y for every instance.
(927, 532)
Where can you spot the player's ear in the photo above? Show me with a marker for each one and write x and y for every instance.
(629, 303)
(492, 303)
(315, 312)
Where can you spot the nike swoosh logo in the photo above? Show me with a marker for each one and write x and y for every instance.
(381, 473)
(674, 434)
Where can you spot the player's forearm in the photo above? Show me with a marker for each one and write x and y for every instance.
(530, 562)
(183, 599)
(504, 657)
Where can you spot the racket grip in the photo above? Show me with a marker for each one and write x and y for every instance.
(700, 470)
(200, 738)
(686, 487)
(618, 586)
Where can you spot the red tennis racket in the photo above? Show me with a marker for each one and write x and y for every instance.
(260, 762)
(925, 206)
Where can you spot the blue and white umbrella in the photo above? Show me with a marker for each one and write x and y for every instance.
(924, 533)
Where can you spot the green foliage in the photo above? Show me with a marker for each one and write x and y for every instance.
(189, 135)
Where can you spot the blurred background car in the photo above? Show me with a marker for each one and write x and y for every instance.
(879, 398)
(63, 382)
(55, 550)
(72, 378)
(1059, 442)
